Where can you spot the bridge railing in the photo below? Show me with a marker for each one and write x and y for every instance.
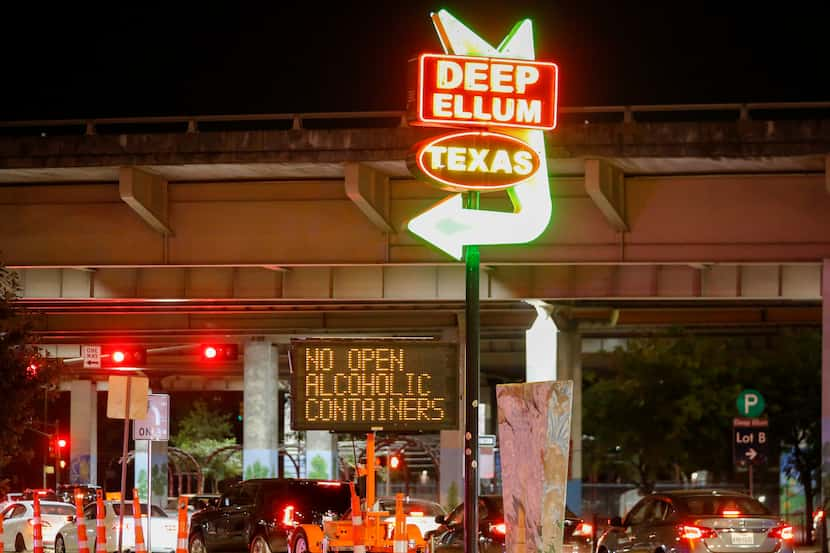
(392, 119)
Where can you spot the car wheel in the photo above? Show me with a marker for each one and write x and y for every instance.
(196, 544)
(260, 545)
(19, 544)
(300, 543)
(60, 546)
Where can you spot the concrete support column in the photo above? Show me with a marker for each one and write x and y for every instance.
(825, 379)
(157, 467)
(321, 455)
(83, 430)
(260, 427)
(451, 485)
(569, 367)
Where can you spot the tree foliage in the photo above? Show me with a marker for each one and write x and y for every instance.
(202, 432)
(25, 374)
(667, 409)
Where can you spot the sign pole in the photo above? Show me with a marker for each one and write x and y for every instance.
(750, 480)
(149, 489)
(471, 379)
(124, 462)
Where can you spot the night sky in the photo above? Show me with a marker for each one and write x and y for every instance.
(177, 58)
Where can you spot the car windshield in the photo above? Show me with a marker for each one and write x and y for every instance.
(412, 507)
(720, 505)
(128, 510)
(57, 510)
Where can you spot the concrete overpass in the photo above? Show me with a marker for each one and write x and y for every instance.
(168, 231)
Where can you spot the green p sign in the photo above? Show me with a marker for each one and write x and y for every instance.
(750, 403)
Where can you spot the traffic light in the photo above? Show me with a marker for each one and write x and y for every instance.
(218, 353)
(394, 462)
(61, 444)
(123, 356)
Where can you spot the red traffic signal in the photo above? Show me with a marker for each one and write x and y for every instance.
(123, 356)
(61, 443)
(217, 353)
(394, 462)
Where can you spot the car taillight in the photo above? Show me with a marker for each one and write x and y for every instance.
(583, 529)
(499, 529)
(689, 532)
(818, 515)
(416, 513)
(287, 518)
(782, 532)
(730, 513)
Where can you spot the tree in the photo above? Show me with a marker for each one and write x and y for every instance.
(790, 380)
(665, 410)
(202, 432)
(25, 374)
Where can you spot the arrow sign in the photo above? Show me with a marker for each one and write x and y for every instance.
(751, 454)
(448, 225)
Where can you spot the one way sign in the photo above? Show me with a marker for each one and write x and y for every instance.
(749, 441)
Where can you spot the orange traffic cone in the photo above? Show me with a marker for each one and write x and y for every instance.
(100, 525)
(358, 532)
(181, 541)
(399, 546)
(139, 531)
(37, 529)
(83, 544)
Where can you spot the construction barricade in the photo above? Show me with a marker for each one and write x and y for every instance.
(83, 542)
(37, 528)
(181, 538)
(140, 546)
(100, 525)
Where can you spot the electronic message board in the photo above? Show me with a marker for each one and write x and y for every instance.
(368, 385)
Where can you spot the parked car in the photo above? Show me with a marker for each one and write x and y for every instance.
(163, 529)
(262, 515)
(420, 512)
(697, 521)
(449, 537)
(17, 523)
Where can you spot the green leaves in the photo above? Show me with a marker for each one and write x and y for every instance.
(669, 402)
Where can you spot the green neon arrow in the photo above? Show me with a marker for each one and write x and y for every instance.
(448, 225)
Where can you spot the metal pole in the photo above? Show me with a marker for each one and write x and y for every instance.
(388, 473)
(750, 480)
(49, 436)
(124, 463)
(471, 378)
(149, 490)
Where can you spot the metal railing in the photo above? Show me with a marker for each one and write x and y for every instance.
(296, 121)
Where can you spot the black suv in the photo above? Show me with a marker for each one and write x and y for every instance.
(259, 515)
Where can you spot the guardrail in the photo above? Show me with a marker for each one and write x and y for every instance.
(296, 121)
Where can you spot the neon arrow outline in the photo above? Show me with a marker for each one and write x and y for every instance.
(448, 225)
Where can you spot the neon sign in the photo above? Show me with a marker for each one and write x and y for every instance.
(449, 225)
(474, 160)
(486, 91)
(363, 385)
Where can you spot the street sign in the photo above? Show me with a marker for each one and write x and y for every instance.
(367, 385)
(750, 439)
(487, 456)
(118, 397)
(750, 403)
(156, 426)
(92, 356)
